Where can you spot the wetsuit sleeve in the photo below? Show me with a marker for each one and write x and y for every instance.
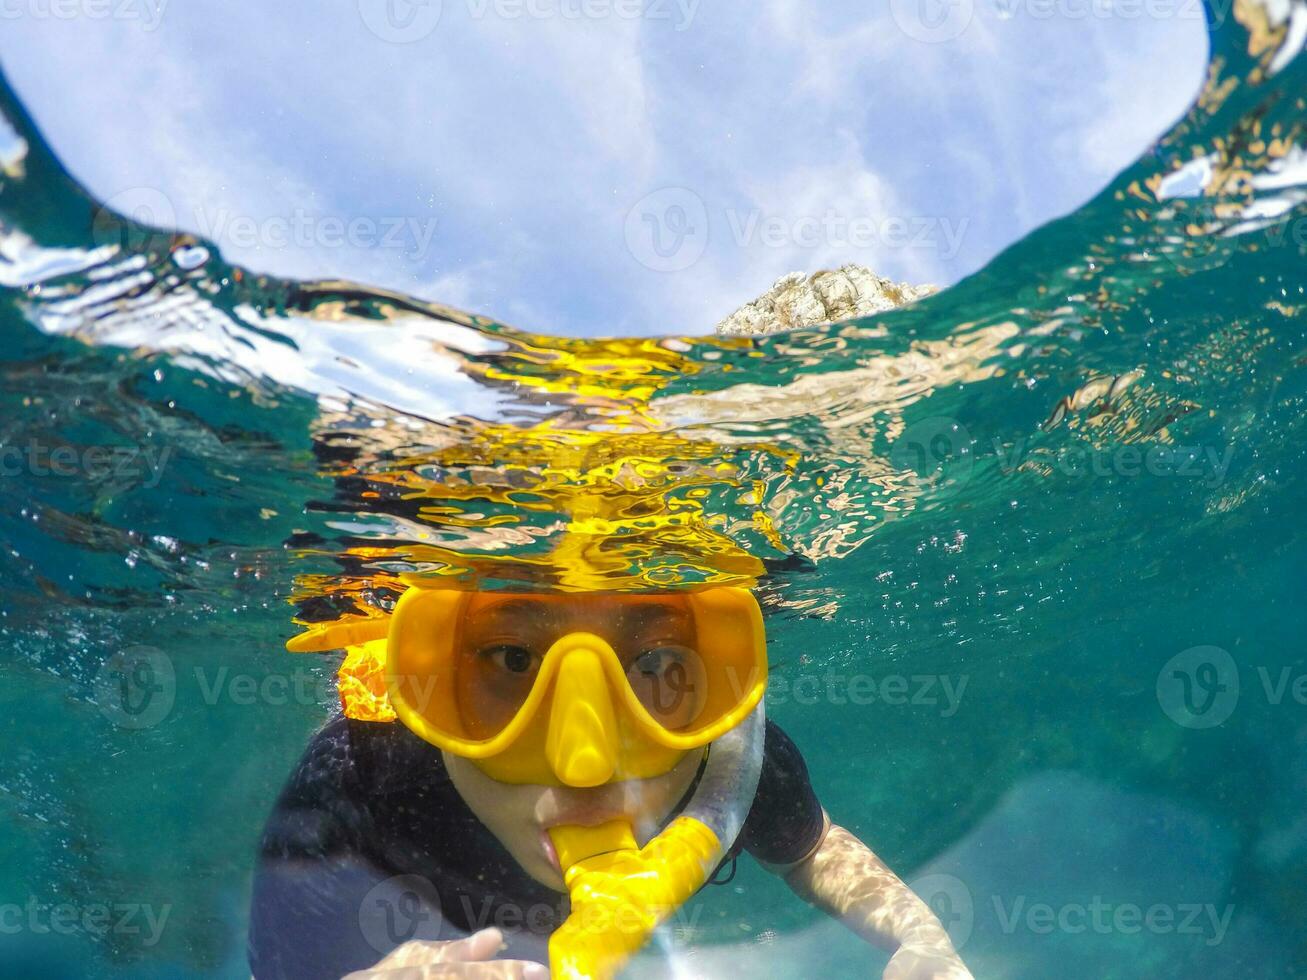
(786, 820)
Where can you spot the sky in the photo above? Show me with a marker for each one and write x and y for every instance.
(602, 166)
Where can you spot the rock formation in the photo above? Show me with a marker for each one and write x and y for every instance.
(798, 300)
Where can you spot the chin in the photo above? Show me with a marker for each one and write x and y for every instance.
(542, 871)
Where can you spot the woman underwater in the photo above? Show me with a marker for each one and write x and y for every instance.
(566, 771)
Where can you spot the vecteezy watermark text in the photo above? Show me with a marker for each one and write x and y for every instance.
(943, 453)
(148, 12)
(152, 216)
(304, 230)
(405, 908)
(940, 691)
(669, 230)
(941, 21)
(135, 464)
(959, 909)
(833, 229)
(1104, 918)
(1076, 10)
(137, 687)
(40, 918)
(407, 21)
(679, 13)
(1207, 463)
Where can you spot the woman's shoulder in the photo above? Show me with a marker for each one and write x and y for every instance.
(348, 769)
(786, 819)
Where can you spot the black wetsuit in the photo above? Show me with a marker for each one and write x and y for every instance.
(370, 846)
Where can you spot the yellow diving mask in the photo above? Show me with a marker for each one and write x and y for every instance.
(574, 689)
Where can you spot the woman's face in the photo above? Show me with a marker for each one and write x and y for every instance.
(500, 644)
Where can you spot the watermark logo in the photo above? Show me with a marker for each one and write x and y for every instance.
(667, 231)
(1199, 687)
(939, 450)
(399, 910)
(401, 21)
(950, 900)
(932, 21)
(150, 220)
(136, 688)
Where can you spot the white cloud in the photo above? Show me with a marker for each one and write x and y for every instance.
(528, 141)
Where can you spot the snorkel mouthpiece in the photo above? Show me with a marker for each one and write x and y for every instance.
(581, 743)
(621, 892)
(575, 844)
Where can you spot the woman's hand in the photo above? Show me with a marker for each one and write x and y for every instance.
(926, 963)
(462, 959)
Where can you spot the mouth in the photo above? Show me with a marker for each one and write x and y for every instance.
(551, 852)
(587, 814)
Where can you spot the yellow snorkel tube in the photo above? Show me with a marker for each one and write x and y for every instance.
(622, 892)
(586, 711)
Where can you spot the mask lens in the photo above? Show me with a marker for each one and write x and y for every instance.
(461, 668)
(497, 654)
(671, 683)
(493, 683)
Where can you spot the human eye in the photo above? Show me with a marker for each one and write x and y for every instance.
(511, 658)
(666, 677)
(658, 661)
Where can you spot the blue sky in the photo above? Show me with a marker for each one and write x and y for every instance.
(602, 166)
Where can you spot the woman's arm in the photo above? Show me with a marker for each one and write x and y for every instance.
(844, 879)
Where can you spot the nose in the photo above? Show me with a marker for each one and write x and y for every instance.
(581, 743)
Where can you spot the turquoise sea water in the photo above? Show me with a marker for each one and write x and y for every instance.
(1031, 553)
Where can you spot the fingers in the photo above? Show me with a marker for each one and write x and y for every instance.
(470, 958)
(479, 946)
(493, 970)
(503, 970)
